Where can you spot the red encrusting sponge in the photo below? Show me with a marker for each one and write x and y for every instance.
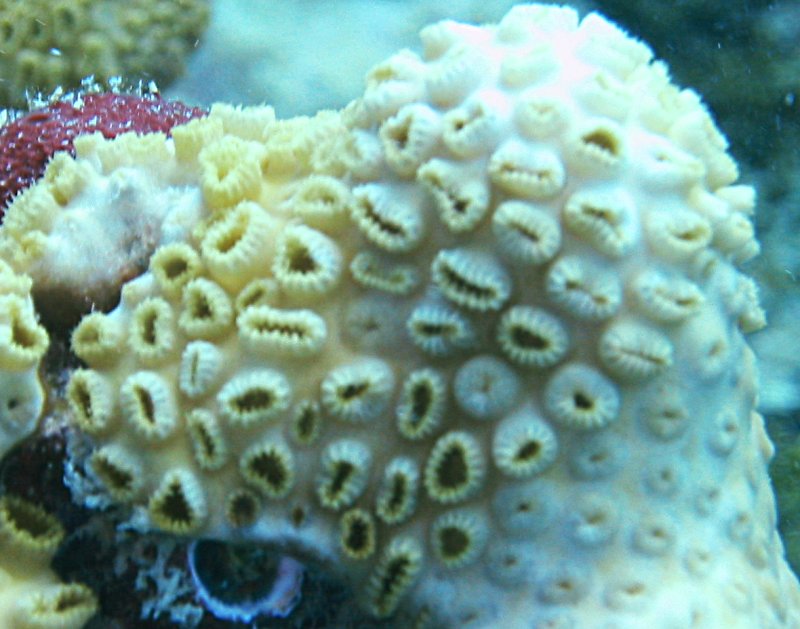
(27, 143)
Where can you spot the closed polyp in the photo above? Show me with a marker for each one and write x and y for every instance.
(208, 442)
(485, 387)
(439, 330)
(322, 202)
(147, 404)
(471, 279)
(526, 234)
(372, 271)
(397, 495)
(90, 400)
(666, 298)
(200, 368)
(538, 116)
(254, 397)
(532, 337)
(409, 137)
(306, 261)
(523, 170)
(387, 223)
(461, 198)
(275, 332)
(207, 311)
(585, 290)
(604, 219)
(524, 445)
(632, 351)
(592, 521)
(344, 473)
(358, 392)
(421, 404)
(471, 129)
(580, 397)
(530, 67)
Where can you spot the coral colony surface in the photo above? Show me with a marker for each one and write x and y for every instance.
(473, 345)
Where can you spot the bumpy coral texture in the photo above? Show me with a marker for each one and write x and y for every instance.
(50, 43)
(31, 595)
(23, 343)
(28, 142)
(478, 338)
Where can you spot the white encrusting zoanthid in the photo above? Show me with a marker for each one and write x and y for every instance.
(478, 338)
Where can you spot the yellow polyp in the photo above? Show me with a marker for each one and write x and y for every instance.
(530, 174)
(474, 281)
(67, 177)
(306, 423)
(357, 392)
(369, 269)
(344, 473)
(173, 266)
(461, 199)
(178, 505)
(132, 149)
(27, 532)
(307, 263)
(98, 340)
(268, 331)
(242, 507)
(526, 234)
(200, 368)
(524, 445)
(208, 441)
(206, 312)
(455, 468)
(233, 248)
(357, 534)
(148, 405)
(190, 138)
(151, 336)
(259, 292)
(269, 467)
(396, 571)
(254, 397)
(531, 337)
(397, 496)
(231, 172)
(59, 606)
(421, 404)
(321, 202)
(388, 224)
(91, 401)
(459, 537)
(119, 471)
(22, 340)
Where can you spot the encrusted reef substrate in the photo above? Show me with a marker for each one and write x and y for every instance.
(478, 338)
